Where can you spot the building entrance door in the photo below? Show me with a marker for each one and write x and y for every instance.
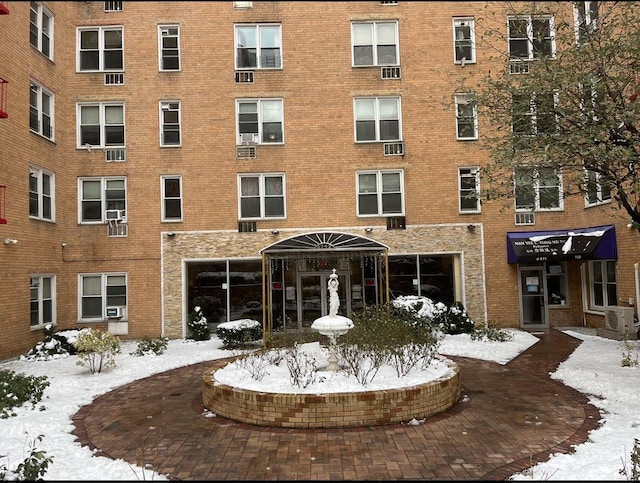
(533, 298)
(313, 295)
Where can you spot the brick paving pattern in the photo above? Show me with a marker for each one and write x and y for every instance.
(509, 418)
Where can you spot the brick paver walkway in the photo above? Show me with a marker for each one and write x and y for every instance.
(509, 418)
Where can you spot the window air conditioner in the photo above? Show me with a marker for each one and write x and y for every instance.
(247, 138)
(114, 215)
(620, 319)
(115, 312)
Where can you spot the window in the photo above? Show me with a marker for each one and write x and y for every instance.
(466, 117)
(169, 47)
(41, 29)
(375, 43)
(531, 38)
(535, 114)
(258, 46)
(100, 49)
(41, 191)
(586, 17)
(41, 110)
(100, 194)
(537, 189)
(603, 288)
(260, 121)
(261, 196)
(380, 193)
(170, 123)
(597, 190)
(171, 187)
(469, 181)
(101, 125)
(43, 298)
(557, 283)
(464, 41)
(99, 291)
(377, 119)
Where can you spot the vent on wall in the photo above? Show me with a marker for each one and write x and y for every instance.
(394, 149)
(526, 218)
(244, 77)
(245, 152)
(247, 226)
(396, 223)
(114, 79)
(390, 72)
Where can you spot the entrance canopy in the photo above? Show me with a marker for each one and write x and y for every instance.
(595, 243)
(323, 241)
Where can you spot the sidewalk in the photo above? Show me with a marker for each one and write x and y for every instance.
(509, 418)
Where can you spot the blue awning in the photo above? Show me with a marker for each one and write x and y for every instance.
(595, 243)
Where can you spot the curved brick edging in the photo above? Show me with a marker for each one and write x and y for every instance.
(330, 410)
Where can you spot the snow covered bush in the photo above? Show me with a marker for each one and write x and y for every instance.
(239, 332)
(55, 345)
(198, 325)
(17, 389)
(97, 350)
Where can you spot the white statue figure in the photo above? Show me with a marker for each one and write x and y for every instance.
(334, 300)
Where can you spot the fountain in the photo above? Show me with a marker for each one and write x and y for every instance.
(332, 325)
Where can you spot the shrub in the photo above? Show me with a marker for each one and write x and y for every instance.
(149, 346)
(97, 350)
(17, 389)
(453, 319)
(33, 468)
(239, 332)
(198, 325)
(491, 332)
(55, 345)
(302, 367)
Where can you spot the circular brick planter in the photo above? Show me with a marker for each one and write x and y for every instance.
(330, 410)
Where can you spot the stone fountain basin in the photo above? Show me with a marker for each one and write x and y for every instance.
(332, 324)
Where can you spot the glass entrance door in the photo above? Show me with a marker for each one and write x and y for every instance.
(314, 295)
(533, 298)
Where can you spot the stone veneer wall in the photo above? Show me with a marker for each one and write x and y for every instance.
(330, 410)
(415, 239)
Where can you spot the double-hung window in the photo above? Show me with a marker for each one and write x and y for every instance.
(534, 114)
(43, 300)
(100, 49)
(171, 187)
(466, 117)
(97, 195)
(169, 47)
(170, 123)
(464, 40)
(41, 29)
(101, 125)
(258, 46)
(597, 189)
(469, 185)
(377, 119)
(41, 110)
(603, 289)
(380, 192)
(585, 15)
(538, 189)
(41, 194)
(99, 291)
(260, 121)
(375, 43)
(531, 37)
(262, 196)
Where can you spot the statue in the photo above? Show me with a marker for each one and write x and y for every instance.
(334, 299)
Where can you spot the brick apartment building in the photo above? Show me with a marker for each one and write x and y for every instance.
(155, 156)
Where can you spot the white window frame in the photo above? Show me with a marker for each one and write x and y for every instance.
(106, 300)
(459, 41)
(468, 182)
(39, 17)
(102, 123)
(262, 195)
(167, 107)
(379, 192)
(40, 298)
(170, 197)
(41, 110)
(534, 113)
(585, 16)
(536, 185)
(595, 185)
(259, 46)
(374, 38)
(266, 112)
(465, 118)
(374, 114)
(104, 201)
(44, 181)
(600, 283)
(101, 48)
(165, 32)
(530, 54)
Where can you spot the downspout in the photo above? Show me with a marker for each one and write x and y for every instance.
(635, 267)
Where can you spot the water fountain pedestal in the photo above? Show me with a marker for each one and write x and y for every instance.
(333, 325)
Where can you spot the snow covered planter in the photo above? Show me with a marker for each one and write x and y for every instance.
(239, 332)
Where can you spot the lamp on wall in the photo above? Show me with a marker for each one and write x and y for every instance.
(171, 234)
(275, 232)
(368, 229)
(10, 241)
(471, 227)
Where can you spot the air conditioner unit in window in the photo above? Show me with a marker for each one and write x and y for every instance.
(247, 138)
(115, 312)
(114, 215)
(621, 320)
